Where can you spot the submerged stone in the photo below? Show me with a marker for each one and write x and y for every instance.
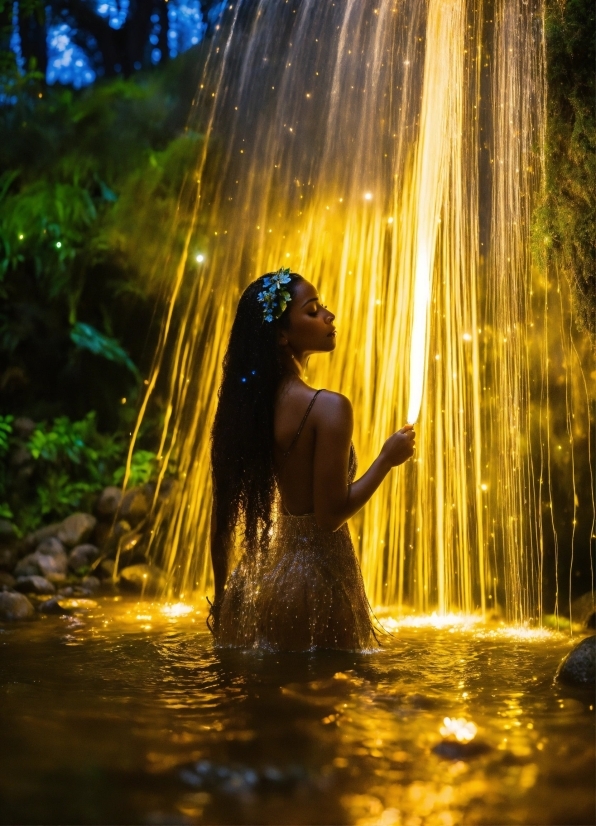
(454, 750)
(14, 606)
(579, 666)
(76, 604)
(146, 579)
(50, 606)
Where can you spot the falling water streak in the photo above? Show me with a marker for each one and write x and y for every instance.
(306, 108)
(518, 128)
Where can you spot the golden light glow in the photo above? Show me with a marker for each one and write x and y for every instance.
(455, 531)
(176, 609)
(459, 728)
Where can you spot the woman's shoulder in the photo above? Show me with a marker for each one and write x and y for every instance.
(334, 407)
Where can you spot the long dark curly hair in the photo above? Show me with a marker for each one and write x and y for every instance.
(242, 444)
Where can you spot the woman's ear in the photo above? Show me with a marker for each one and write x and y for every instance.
(281, 338)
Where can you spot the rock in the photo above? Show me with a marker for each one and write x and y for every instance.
(90, 584)
(106, 569)
(143, 579)
(15, 606)
(51, 547)
(454, 750)
(53, 567)
(83, 556)
(8, 532)
(32, 540)
(108, 539)
(6, 580)
(35, 585)
(8, 557)
(23, 427)
(50, 606)
(108, 503)
(27, 566)
(102, 534)
(76, 529)
(579, 666)
(583, 610)
(134, 506)
(76, 604)
(66, 592)
(37, 564)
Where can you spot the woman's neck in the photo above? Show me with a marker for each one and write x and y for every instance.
(294, 365)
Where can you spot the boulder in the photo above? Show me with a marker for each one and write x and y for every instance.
(6, 580)
(83, 556)
(76, 529)
(37, 564)
(51, 547)
(33, 539)
(52, 567)
(8, 557)
(583, 610)
(90, 584)
(50, 606)
(134, 506)
(108, 503)
(106, 569)
(15, 606)
(120, 535)
(27, 566)
(35, 585)
(143, 579)
(579, 666)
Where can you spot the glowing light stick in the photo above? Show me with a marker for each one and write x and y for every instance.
(428, 186)
(422, 288)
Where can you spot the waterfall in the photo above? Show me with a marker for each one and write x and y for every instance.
(390, 152)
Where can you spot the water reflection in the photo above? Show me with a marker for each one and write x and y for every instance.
(125, 713)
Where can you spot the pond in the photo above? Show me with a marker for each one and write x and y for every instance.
(123, 712)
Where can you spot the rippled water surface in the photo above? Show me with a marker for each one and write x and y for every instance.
(122, 713)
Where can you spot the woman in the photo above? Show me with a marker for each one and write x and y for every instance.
(283, 468)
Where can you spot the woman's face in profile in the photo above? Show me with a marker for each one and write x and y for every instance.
(310, 325)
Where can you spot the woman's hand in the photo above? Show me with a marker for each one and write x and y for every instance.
(399, 447)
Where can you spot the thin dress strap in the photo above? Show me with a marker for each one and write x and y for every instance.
(302, 423)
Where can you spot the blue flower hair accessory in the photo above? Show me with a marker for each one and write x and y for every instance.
(274, 297)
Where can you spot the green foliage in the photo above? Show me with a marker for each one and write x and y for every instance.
(565, 223)
(89, 219)
(61, 468)
(5, 433)
(87, 337)
(143, 468)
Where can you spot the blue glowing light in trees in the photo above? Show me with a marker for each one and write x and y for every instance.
(69, 64)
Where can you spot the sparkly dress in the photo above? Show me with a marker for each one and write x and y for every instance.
(307, 594)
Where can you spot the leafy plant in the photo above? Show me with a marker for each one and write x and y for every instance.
(67, 464)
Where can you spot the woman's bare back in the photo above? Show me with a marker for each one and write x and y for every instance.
(295, 469)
